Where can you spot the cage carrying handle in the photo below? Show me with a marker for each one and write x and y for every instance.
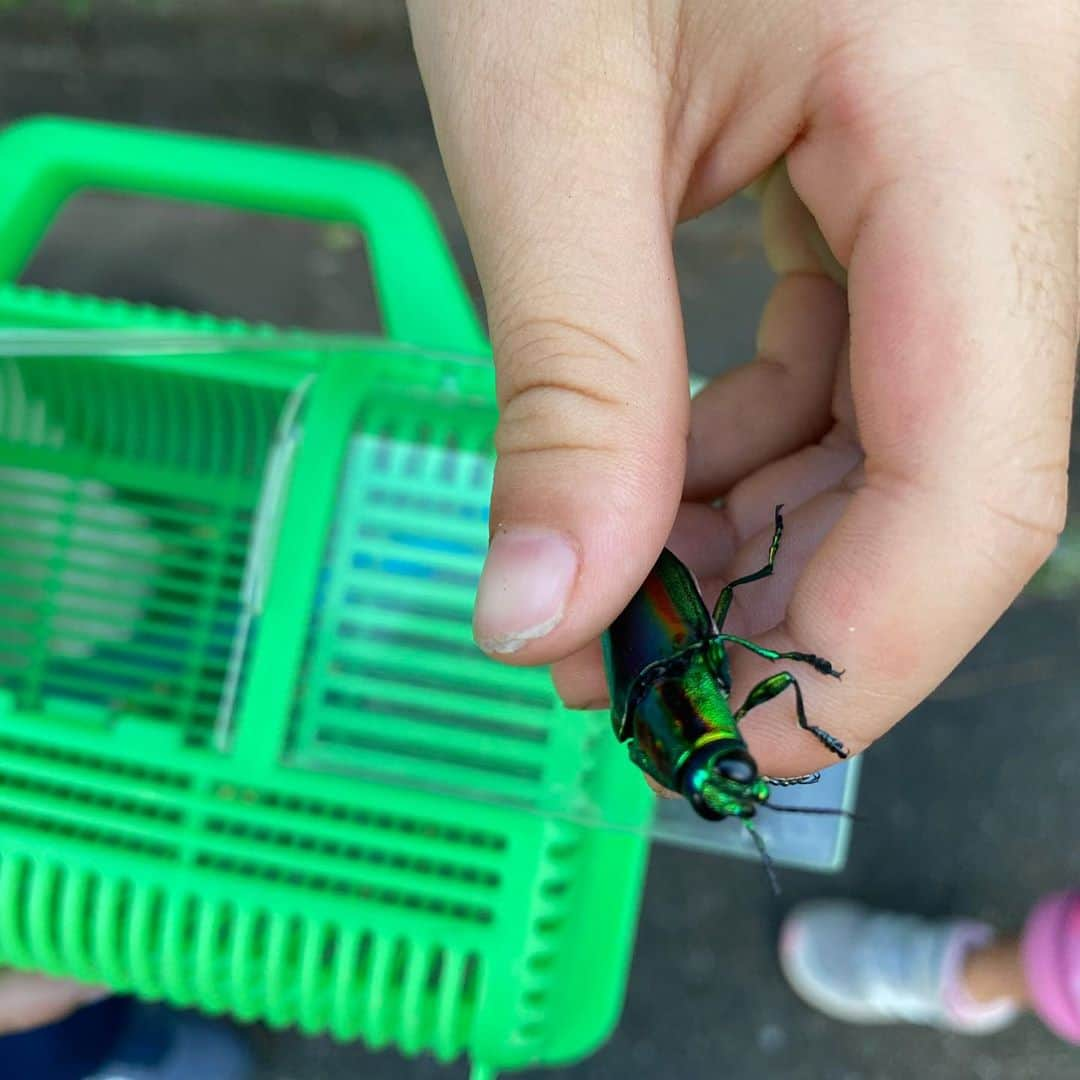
(422, 301)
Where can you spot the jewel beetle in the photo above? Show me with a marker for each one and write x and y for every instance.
(667, 665)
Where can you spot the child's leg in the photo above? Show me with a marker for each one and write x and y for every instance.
(874, 967)
(871, 967)
(996, 971)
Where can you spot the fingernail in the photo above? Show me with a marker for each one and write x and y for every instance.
(524, 589)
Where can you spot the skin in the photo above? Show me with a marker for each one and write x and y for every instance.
(910, 403)
(28, 1000)
(997, 971)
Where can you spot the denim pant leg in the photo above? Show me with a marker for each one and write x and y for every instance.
(70, 1049)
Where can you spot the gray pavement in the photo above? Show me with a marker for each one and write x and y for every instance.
(970, 805)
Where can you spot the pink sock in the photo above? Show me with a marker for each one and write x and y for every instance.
(1051, 954)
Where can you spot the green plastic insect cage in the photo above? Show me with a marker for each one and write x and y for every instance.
(250, 759)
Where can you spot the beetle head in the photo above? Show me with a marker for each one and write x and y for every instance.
(721, 780)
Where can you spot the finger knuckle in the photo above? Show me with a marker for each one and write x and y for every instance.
(560, 385)
(1025, 529)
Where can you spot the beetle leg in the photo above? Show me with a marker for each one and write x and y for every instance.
(792, 781)
(647, 767)
(723, 603)
(775, 685)
(818, 663)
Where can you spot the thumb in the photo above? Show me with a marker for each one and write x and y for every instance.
(591, 449)
(556, 168)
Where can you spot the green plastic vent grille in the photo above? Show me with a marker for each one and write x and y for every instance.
(395, 686)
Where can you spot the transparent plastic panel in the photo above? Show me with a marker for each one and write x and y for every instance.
(809, 841)
(129, 499)
(144, 481)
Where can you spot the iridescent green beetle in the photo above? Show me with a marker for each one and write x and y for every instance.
(668, 674)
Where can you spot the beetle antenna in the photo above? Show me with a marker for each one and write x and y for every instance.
(766, 859)
(813, 810)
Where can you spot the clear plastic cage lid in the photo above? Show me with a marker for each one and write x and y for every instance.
(152, 492)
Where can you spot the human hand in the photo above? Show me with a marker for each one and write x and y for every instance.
(28, 1000)
(912, 410)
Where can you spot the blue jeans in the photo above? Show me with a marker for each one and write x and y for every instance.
(70, 1049)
